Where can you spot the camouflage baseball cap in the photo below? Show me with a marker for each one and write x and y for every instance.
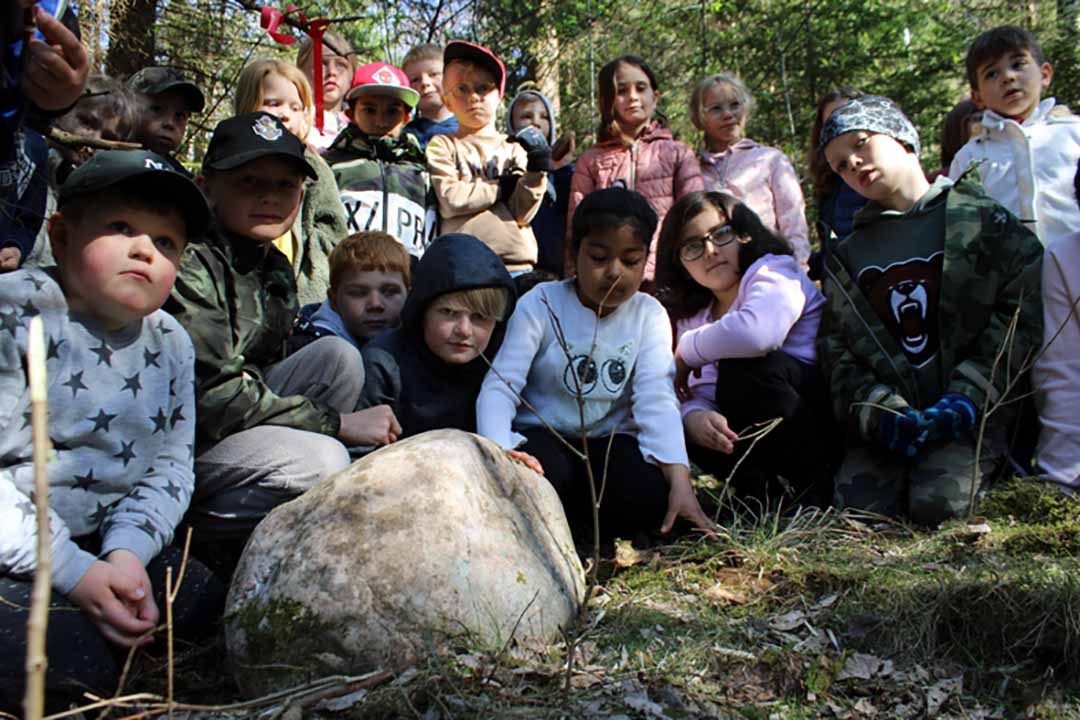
(108, 168)
(156, 80)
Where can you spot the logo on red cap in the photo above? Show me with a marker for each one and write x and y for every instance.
(385, 76)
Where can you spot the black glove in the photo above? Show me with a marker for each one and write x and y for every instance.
(536, 148)
(507, 183)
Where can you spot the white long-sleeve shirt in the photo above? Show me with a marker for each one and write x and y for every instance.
(1029, 168)
(628, 383)
(122, 425)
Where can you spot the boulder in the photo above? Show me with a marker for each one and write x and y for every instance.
(438, 538)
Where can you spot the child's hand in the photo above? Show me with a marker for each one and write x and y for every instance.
(528, 460)
(374, 426)
(562, 152)
(904, 431)
(9, 259)
(709, 429)
(682, 377)
(55, 71)
(683, 502)
(536, 147)
(118, 600)
(951, 416)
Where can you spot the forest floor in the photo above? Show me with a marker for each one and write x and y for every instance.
(824, 615)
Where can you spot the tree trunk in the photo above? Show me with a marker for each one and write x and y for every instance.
(546, 52)
(131, 37)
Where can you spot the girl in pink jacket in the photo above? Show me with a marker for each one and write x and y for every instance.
(634, 149)
(746, 317)
(759, 175)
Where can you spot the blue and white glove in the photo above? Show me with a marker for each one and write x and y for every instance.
(951, 416)
(903, 432)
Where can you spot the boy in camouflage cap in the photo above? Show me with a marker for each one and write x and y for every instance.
(919, 301)
(166, 101)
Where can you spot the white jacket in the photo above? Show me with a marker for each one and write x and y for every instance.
(1029, 168)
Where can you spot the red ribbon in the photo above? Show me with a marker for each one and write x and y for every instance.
(270, 19)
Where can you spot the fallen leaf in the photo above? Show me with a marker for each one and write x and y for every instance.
(865, 708)
(720, 593)
(342, 703)
(940, 692)
(640, 701)
(860, 666)
(626, 555)
(788, 621)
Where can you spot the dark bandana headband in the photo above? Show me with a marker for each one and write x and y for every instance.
(872, 113)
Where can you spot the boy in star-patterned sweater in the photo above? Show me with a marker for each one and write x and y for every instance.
(121, 422)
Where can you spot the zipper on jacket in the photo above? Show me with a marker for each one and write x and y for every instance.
(633, 165)
(385, 199)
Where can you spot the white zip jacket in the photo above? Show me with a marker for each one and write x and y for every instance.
(1029, 167)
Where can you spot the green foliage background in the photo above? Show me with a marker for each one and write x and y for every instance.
(789, 52)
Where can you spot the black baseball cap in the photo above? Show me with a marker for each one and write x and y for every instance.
(241, 139)
(112, 167)
(482, 56)
(156, 80)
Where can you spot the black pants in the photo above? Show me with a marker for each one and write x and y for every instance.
(805, 448)
(80, 659)
(635, 493)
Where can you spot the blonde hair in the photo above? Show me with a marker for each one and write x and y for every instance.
(697, 98)
(427, 51)
(249, 87)
(303, 54)
(490, 302)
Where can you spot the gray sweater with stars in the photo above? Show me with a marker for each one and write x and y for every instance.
(122, 425)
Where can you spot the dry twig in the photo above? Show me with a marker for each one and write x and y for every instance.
(36, 660)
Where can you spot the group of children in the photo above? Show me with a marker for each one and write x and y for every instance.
(219, 345)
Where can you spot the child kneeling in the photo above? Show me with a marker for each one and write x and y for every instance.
(595, 337)
(746, 319)
(920, 299)
(121, 421)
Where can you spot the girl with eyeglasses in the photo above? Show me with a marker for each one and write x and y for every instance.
(759, 175)
(746, 318)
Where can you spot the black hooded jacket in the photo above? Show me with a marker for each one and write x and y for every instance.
(425, 392)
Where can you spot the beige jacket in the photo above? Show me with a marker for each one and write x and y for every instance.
(465, 173)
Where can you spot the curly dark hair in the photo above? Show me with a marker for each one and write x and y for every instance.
(680, 293)
(821, 174)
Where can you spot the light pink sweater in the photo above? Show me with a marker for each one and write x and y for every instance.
(778, 308)
(1057, 371)
(764, 179)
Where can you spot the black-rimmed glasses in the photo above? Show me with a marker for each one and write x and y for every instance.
(719, 237)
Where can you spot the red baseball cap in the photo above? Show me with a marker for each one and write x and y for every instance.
(464, 50)
(382, 79)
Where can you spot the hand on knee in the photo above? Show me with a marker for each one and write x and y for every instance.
(118, 600)
(374, 426)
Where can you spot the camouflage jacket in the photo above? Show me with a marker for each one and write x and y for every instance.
(237, 300)
(384, 185)
(992, 267)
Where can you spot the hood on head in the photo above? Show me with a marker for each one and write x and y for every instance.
(533, 95)
(451, 263)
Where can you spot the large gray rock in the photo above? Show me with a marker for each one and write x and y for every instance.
(433, 538)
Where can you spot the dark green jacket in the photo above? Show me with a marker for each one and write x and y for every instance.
(319, 227)
(384, 185)
(992, 266)
(237, 300)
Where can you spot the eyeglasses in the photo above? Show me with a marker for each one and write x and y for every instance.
(694, 249)
(465, 90)
(734, 107)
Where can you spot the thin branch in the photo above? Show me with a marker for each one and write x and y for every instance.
(36, 660)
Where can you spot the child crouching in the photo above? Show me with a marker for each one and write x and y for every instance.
(920, 298)
(121, 420)
(620, 342)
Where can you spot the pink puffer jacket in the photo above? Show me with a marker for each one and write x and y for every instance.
(658, 166)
